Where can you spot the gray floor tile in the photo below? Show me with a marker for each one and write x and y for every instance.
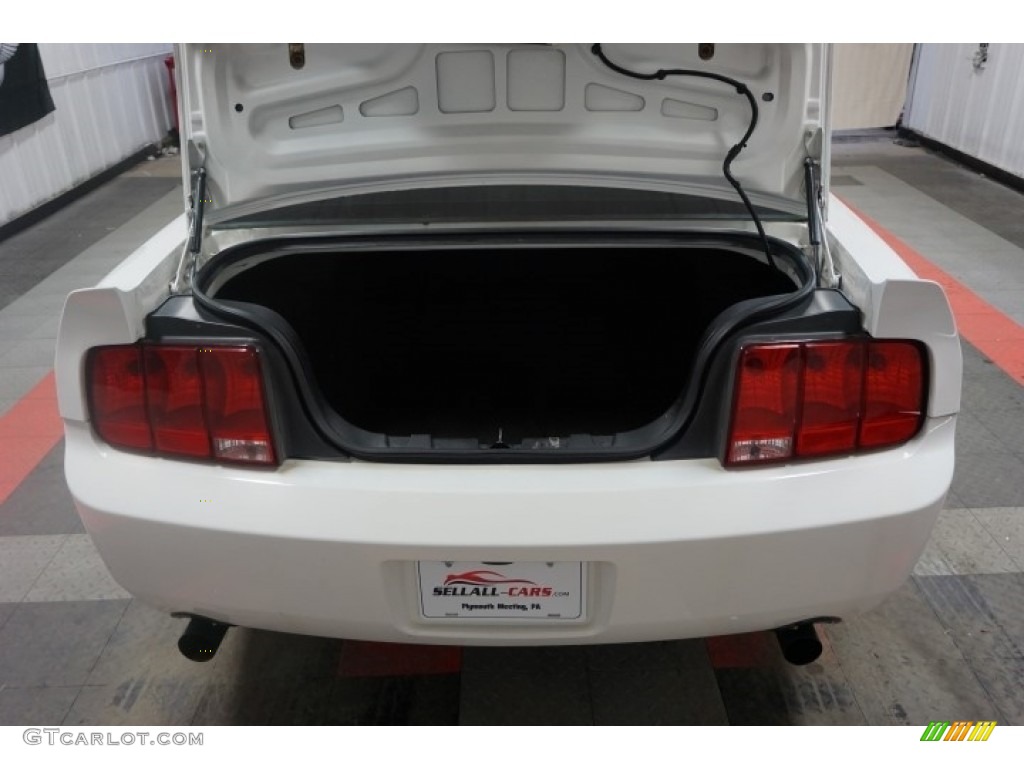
(37, 306)
(138, 701)
(1003, 680)
(960, 544)
(145, 645)
(989, 281)
(16, 382)
(986, 386)
(989, 480)
(36, 706)
(904, 628)
(972, 436)
(8, 343)
(550, 687)
(75, 573)
(22, 560)
(983, 614)
(41, 504)
(992, 205)
(1009, 301)
(844, 180)
(45, 330)
(18, 327)
(1006, 524)
(903, 692)
(55, 644)
(953, 501)
(30, 353)
(1007, 424)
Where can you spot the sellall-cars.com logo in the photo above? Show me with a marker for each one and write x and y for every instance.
(959, 730)
(490, 584)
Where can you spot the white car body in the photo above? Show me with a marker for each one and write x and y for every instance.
(669, 549)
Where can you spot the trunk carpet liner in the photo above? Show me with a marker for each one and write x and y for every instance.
(536, 343)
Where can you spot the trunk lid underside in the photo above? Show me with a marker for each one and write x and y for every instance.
(274, 129)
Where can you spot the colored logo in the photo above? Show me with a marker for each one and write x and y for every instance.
(481, 579)
(959, 730)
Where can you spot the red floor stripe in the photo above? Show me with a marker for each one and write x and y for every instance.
(28, 431)
(998, 337)
(751, 649)
(359, 659)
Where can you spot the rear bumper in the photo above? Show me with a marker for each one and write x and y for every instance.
(675, 549)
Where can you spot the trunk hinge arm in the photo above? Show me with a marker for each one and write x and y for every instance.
(182, 282)
(824, 266)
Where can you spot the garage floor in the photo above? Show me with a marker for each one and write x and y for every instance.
(75, 649)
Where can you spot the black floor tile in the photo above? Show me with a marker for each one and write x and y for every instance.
(525, 686)
(657, 697)
(55, 644)
(36, 706)
(819, 694)
(774, 692)
(654, 683)
(41, 504)
(6, 609)
(269, 678)
(679, 654)
(418, 700)
(30, 256)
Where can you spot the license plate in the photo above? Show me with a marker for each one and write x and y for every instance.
(502, 590)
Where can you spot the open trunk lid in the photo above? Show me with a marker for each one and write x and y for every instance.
(282, 124)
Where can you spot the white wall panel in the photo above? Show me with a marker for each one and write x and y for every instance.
(979, 112)
(869, 84)
(111, 99)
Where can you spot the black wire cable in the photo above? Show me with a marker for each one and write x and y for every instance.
(733, 153)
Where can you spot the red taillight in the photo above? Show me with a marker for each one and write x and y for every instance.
(823, 398)
(199, 402)
(893, 393)
(766, 404)
(234, 405)
(174, 390)
(117, 397)
(833, 373)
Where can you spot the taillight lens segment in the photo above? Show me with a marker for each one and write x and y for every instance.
(824, 398)
(176, 400)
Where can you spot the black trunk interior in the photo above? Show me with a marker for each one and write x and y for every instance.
(523, 343)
